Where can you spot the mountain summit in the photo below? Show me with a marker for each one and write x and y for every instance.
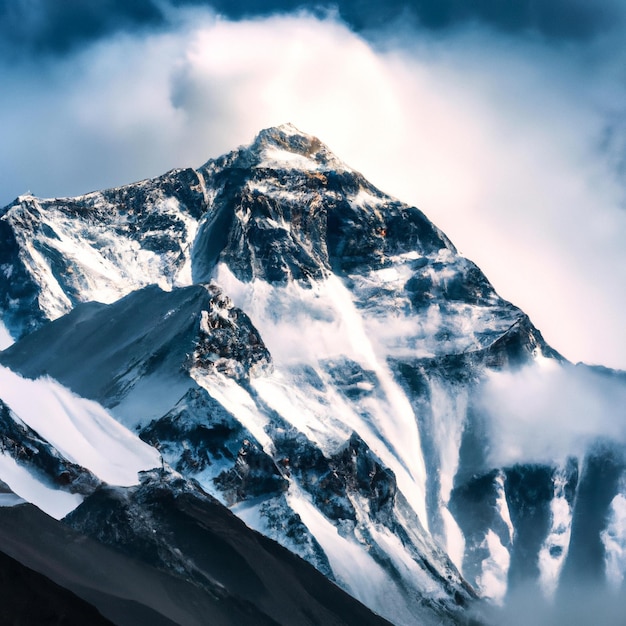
(311, 353)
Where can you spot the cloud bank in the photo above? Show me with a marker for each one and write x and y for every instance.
(49, 26)
(514, 145)
(545, 413)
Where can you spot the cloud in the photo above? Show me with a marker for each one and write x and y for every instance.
(580, 604)
(547, 412)
(514, 145)
(58, 28)
(52, 27)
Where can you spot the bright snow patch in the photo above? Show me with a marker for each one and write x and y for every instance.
(454, 538)
(238, 402)
(449, 411)
(5, 337)
(614, 539)
(353, 567)
(52, 501)
(104, 264)
(275, 157)
(365, 199)
(556, 546)
(310, 326)
(493, 580)
(81, 430)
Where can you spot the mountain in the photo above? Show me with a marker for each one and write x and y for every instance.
(231, 575)
(315, 355)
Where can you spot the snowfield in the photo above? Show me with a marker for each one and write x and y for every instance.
(81, 430)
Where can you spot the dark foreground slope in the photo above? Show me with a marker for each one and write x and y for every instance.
(28, 597)
(218, 570)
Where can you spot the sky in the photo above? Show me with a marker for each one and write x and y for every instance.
(505, 122)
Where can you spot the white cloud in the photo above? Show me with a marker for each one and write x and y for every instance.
(547, 412)
(498, 140)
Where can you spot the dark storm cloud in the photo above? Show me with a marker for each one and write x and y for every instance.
(551, 18)
(60, 26)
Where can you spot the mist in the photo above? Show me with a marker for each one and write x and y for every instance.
(547, 412)
(578, 605)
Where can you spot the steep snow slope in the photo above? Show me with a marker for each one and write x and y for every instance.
(81, 430)
(222, 432)
(56, 447)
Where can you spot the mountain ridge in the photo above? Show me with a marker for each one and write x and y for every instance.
(312, 352)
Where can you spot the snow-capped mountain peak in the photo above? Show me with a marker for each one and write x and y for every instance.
(285, 147)
(312, 352)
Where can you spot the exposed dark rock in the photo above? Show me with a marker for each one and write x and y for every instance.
(199, 426)
(253, 474)
(146, 333)
(30, 450)
(598, 485)
(279, 211)
(529, 491)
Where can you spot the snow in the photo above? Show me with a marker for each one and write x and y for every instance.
(238, 402)
(52, 300)
(81, 430)
(393, 547)
(279, 193)
(277, 158)
(310, 326)
(316, 334)
(290, 130)
(387, 275)
(205, 326)
(5, 337)
(503, 507)
(441, 327)
(614, 539)
(306, 408)
(104, 261)
(493, 580)
(355, 570)
(449, 412)
(454, 539)
(554, 550)
(248, 511)
(54, 502)
(150, 398)
(365, 199)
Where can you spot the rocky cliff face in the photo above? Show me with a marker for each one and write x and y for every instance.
(312, 352)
